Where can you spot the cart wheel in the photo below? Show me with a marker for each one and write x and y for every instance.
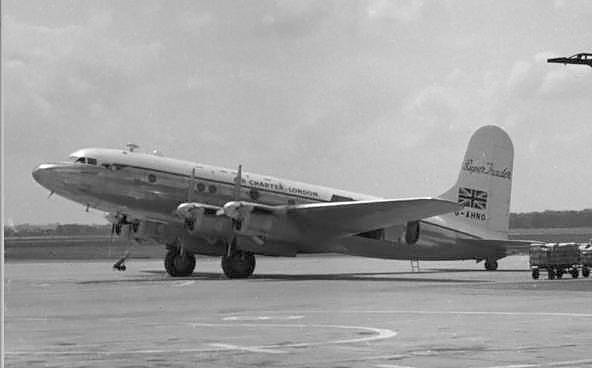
(551, 274)
(585, 271)
(535, 273)
(575, 273)
(559, 273)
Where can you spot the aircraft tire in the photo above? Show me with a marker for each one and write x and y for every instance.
(535, 274)
(551, 274)
(491, 265)
(575, 273)
(239, 265)
(585, 271)
(177, 265)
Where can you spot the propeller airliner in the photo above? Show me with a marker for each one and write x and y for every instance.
(193, 208)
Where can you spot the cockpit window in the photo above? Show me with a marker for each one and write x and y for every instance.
(86, 160)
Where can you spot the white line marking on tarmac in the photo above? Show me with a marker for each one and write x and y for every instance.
(186, 283)
(537, 314)
(247, 348)
(566, 363)
(379, 334)
(396, 311)
(260, 318)
(392, 366)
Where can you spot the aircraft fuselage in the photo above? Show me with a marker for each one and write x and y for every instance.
(150, 188)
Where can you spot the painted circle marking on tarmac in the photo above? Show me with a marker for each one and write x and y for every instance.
(377, 334)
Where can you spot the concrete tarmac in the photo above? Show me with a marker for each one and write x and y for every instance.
(295, 312)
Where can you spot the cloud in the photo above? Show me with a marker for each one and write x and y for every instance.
(60, 76)
(404, 11)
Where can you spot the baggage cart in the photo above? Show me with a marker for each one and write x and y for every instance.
(586, 259)
(556, 258)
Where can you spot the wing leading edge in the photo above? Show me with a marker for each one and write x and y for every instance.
(337, 219)
(348, 218)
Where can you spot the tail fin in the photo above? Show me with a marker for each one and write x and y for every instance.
(484, 184)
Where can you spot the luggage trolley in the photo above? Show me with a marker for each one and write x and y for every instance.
(586, 258)
(556, 258)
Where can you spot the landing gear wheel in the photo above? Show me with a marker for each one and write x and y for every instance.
(575, 273)
(239, 265)
(559, 273)
(535, 274)
(585, 271)
(491, 265)
(178, 265)
(551, 274)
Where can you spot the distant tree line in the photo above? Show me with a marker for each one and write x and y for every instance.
(54, 230)
(551, 219)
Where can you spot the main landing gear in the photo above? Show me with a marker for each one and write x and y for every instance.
(178, 263)
(239, 264)
(236, 264)
(491, 264)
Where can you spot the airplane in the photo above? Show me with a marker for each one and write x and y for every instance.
(194, 208)
(581, 58)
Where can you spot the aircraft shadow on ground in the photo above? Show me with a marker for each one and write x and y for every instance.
(365, 276)
(483, 270)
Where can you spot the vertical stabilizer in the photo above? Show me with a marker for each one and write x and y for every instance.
(484, 184)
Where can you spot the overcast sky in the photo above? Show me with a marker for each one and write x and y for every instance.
(378, 97)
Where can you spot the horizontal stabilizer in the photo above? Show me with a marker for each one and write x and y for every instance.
(503, 247)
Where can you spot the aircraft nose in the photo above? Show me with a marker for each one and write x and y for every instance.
(43, 174)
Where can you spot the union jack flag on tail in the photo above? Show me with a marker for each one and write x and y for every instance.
(473, 198)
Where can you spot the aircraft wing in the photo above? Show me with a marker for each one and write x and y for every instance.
(336, 219)
(348, 218)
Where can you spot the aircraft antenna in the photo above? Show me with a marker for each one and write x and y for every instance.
(132, 146)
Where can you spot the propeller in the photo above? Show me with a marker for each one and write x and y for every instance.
(238, 181)
(232, 208)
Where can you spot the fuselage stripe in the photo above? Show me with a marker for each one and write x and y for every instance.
(222, 182)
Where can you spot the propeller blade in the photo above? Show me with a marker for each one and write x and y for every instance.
(237, 183)
(191, 183)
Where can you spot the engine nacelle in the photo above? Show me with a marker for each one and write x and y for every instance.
(412, 232)
(210, 225)
(255, 224)
(203, 221)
